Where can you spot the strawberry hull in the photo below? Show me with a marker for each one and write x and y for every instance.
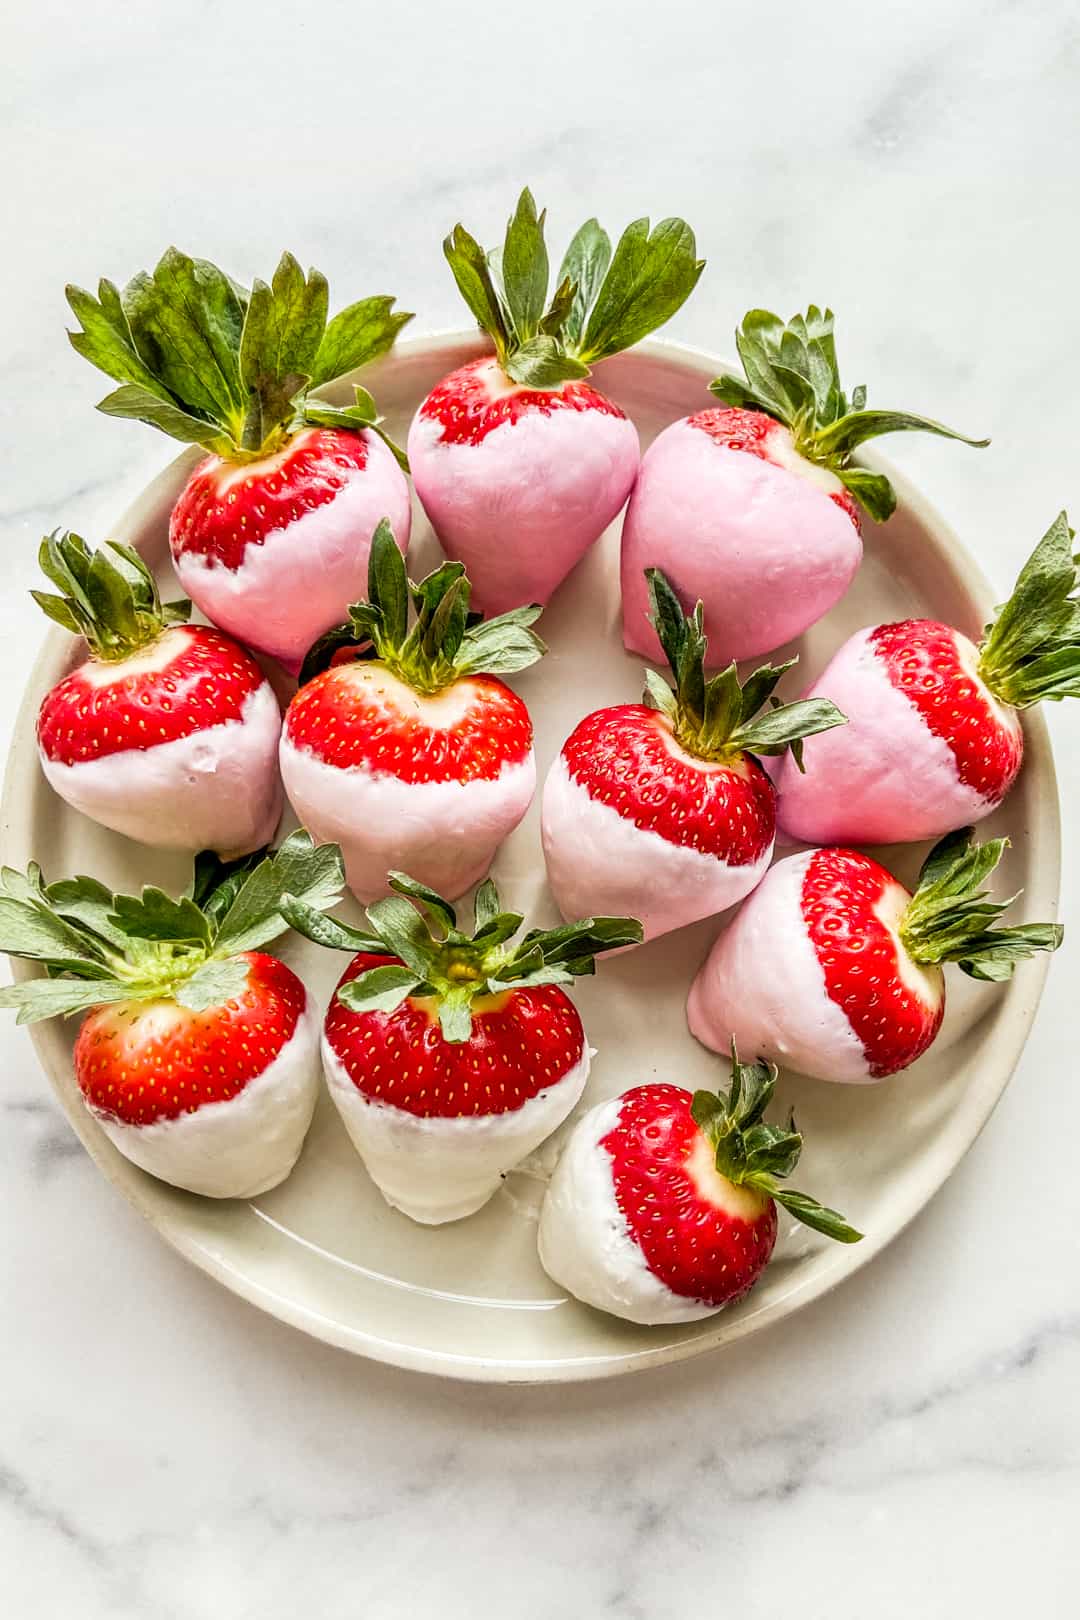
(885, 777)
(217, 788)
(754, 533)
(279, 589)
(814, 977)
(600, 863)
(584, 1239)
(240, 1147)
(436, 1169)
(444, 834)
(521, 503)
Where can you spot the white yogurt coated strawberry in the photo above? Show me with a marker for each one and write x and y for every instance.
(833, 968)
(446, 1070)
(934, 739)
(413, 758)
(168, 733)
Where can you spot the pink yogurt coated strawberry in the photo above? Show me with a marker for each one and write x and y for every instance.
(754, 506)
(270, 533)
(521, 463)
(832, 968)
(934, 739)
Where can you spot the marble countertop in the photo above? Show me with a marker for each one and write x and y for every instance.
(908, 1447)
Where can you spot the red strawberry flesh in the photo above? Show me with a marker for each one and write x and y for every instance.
(191, 678)
(360, 715)
(627, 757)
(754, 432)
(925, 661)
(143, 1061)
(227, 506)
(522, 1042)
(700, 1235)
(894, 1007)
(468, 408)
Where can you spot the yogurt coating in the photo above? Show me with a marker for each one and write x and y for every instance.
(436, 1170)
(521, 508)
(584, 1241)
(762, 983)
(760, 542)
(444, 834)
(240, 1147)
(216, 789)
(600, 863)
(300, 580)
(884, 778)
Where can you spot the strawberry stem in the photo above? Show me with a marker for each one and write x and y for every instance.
(1030, 651)
(791, 374)
(445, 640)
(434, 958)
(751, 1153)
(719, 719)
(951, 918)
(108, 596)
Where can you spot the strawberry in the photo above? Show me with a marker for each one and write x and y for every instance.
(410, 750)
(754, 507)
(270, 534)
(664, 811)
(451, 1056)
(662, 1207)
(934, 739)
(520, 463)
(169, 731)
(198, 1056)
(832, 968)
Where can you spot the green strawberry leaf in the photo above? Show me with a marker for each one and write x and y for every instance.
(313, 874)
(328, 931)
(471, 271)
(820, 1219)
(212, 984)
(1030, 651)
(524, 267)
(651, 275)
(584, 266)
(541, 362)
(381, 989)
(357, 335)
(155, 915)
(37, 999)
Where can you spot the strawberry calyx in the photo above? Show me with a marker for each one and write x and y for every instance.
(720, 718)
(951, 918)
(433, 957)
(211, 363)
(604, 301)
(791, 374)
(751, 1153)
(445, 640)
(107, 596)
(100, 947)
(1030, 652)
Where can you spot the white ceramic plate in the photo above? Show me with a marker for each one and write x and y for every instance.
(470, 1300)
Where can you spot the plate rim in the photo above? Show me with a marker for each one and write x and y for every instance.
(138, 1189)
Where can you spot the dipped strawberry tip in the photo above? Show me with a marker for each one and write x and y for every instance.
(952, 918)
(100, 947)
(435, 958)
(604, 301)
(211, 363)
(444, 642)
(751, 1153)
(720, 718)
(1030, 652)
(791, 374)
(108, 595)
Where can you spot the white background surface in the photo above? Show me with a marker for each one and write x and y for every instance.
(907, 1447)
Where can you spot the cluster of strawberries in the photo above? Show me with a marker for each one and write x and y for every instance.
(452, 1054)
